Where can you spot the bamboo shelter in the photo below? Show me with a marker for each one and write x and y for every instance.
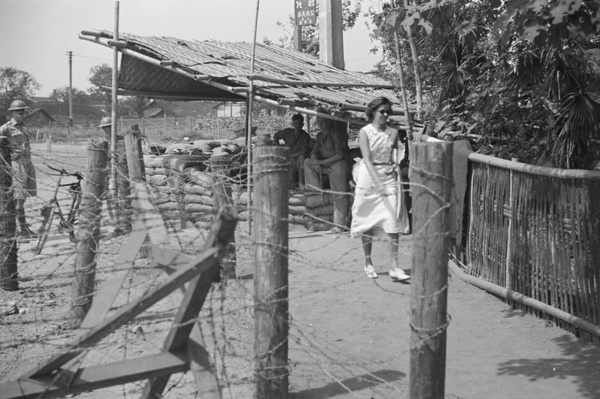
(175, 69)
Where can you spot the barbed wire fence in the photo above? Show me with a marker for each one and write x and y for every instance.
(34, 323)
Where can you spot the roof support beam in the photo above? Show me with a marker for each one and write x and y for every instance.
(320, 84)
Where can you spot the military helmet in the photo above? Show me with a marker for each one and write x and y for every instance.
(17, 105)
(106, 121)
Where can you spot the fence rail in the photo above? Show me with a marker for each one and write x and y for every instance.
(536, 231)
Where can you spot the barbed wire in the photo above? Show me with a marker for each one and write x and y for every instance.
(225, 322)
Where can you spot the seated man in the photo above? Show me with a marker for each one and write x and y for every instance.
(298, 141)
(330, 156)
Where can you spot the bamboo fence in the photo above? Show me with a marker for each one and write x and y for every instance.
(536, 231)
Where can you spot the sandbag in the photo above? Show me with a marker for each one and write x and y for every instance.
(180, 162)
(191, 208)
(158, 180)
(315, 201)
(149, 171)
(189, 188)
(168, 206)
(198, 199)
(200, 178)
(160, 197)
(297, 199)
(322, 210)
(299, 219)
(155, 163)
(297, 210)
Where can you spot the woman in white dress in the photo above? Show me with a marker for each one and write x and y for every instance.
(375, 207)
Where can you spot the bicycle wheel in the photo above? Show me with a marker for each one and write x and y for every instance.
(48, 213)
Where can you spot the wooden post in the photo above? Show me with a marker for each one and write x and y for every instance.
(221, 197)
(124, 207)
(135, 156)
(271, 177)
(88, 232)
(431, 180)
(8, 223)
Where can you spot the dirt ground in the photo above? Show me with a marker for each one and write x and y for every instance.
(349, 335)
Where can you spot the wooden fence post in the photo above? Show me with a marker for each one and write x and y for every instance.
(88, 232)
(270, 201)
(8, 224)
(431, 181)
(135, 156)
(221, 197)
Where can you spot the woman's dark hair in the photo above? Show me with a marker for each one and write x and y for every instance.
(376, 103)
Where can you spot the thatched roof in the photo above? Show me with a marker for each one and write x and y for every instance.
(170, 68)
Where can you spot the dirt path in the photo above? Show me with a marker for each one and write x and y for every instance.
(349, 335)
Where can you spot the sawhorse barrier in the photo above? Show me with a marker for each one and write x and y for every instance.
(183, 349)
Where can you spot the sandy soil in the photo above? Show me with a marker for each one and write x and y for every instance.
(349, 335)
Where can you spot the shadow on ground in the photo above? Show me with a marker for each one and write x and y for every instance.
(580, 363)
(357, 383)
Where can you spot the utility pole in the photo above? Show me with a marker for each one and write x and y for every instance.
(70, 54)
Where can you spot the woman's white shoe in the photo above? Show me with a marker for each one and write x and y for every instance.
(370, 271)
(398, 274)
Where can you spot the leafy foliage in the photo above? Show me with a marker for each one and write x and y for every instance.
(82, 102)
(523, 72)
(15, 85)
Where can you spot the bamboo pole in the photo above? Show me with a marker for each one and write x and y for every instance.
(249, 117)
(270, 243)
(8, 224)
(113, 113)
(525, 300)
(403, 88)
(431, 180)
(88, 232)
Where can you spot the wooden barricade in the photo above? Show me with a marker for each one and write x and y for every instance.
(183, 348)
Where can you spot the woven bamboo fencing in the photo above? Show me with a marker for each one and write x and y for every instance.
(536, 231)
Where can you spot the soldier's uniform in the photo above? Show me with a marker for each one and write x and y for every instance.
(24, 181)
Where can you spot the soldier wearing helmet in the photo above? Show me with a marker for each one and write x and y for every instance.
(24, 182)
(106, 125)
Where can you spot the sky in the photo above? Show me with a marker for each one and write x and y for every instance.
(35, 35)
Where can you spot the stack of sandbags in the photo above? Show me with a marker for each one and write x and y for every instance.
(240, 201)
(197, 197)
(165, 195)
(319, 208)
(297, 210)
(153, 165)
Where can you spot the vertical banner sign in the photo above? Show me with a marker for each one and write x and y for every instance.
(306, 12)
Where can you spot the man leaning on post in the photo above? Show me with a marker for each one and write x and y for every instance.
(24, 182)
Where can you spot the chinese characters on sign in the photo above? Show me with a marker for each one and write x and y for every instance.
(306, 12)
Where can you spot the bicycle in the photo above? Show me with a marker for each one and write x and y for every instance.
(53, 208)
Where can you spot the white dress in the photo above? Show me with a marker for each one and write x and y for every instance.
(371, 209)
